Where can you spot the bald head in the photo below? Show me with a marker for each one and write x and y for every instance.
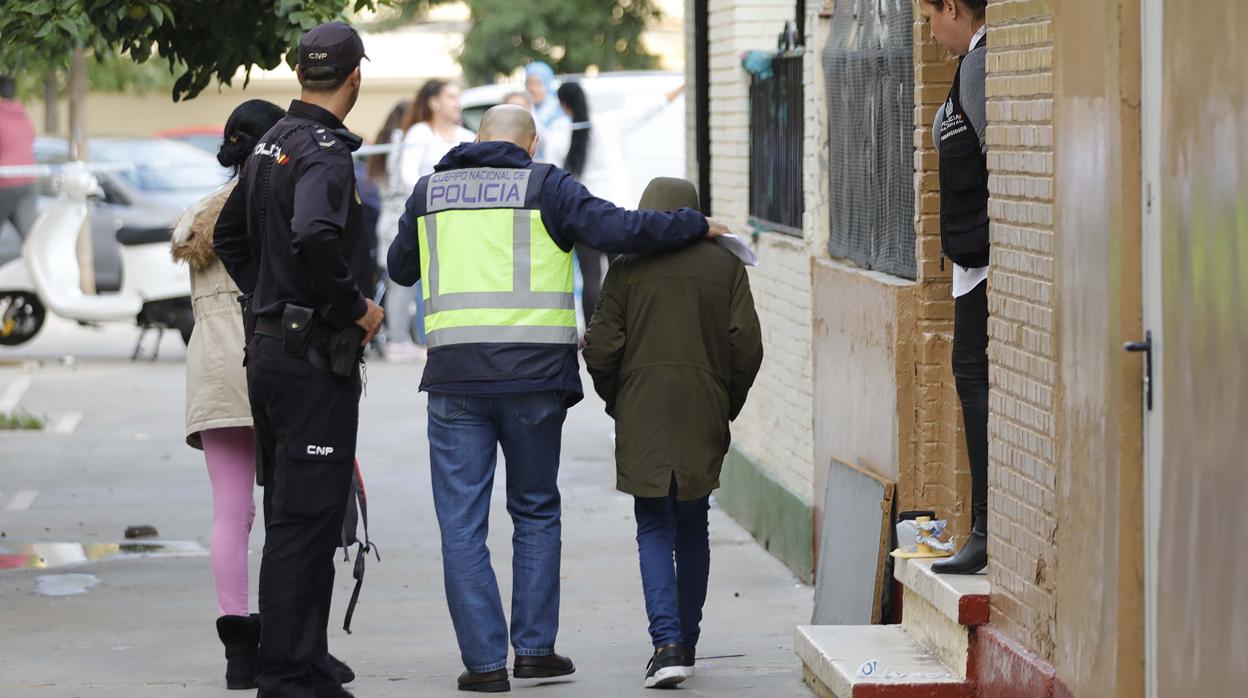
(510, 123)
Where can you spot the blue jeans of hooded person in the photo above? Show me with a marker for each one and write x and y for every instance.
(674, 546)
(465, 432)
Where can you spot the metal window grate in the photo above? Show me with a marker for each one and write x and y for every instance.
(869, 67)
(776, 119)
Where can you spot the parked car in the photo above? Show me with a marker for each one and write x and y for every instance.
(206, 138)
(167, 178)
(655, 148)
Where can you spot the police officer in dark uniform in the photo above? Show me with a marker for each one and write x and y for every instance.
(292, 236)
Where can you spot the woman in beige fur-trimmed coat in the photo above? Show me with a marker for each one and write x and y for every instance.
(218, 412)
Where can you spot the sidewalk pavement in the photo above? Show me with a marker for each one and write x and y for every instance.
(146, 628)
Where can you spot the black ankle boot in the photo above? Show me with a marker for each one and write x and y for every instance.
(241, 637)
(972, 558)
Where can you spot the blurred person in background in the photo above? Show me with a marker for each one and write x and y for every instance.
(592, 149)
(539, 82)
(218, 413)
(18, 195)
(383, 173)
(519, 99)
(431, 126)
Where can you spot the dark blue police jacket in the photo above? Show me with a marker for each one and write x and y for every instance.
(571, 215)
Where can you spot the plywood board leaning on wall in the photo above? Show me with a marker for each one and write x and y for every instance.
(854, 544)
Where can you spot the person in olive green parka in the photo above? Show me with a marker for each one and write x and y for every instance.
(673, 349)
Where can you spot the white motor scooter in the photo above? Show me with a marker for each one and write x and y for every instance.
(155, 292)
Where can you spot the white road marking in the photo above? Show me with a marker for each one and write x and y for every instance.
(67, 423)
(22, 500)
(16, 391)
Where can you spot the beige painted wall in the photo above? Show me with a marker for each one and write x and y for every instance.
(120, 114)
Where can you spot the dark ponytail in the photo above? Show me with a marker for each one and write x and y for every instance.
(573, 97)
(247, 124)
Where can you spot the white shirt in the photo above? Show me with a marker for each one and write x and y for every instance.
(965, 279)
(423, 148)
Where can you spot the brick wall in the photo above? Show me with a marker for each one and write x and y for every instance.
(776, 426)
(941, 480)
(1022, 470)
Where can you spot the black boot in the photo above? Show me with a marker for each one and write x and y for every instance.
(241, 637)
(973, 556)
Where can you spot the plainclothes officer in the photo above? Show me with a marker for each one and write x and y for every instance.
(491, 234)
(961, 125)
(292, 236)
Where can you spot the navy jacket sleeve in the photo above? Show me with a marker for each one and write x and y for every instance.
(230, 241)
(403, 259)
(322, 199)
(572, 214)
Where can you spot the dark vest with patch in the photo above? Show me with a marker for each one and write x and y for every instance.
(963, 184)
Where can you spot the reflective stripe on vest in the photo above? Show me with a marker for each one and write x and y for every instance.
(494, 275)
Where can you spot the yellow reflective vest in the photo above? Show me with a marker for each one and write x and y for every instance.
(490, 272)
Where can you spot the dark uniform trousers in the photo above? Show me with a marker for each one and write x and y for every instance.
(305, 425)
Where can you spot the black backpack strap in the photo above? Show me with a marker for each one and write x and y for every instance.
(365, 547)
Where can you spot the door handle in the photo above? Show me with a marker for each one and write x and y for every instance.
(1146, 347)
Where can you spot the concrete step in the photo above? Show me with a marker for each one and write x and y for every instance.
(962, 598)
(941, 610)
(874, 661)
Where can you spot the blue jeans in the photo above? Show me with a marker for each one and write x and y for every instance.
(674, 546)
(464, 434)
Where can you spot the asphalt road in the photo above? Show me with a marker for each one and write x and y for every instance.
(115, 457)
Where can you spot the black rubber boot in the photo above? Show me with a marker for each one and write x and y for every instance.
(241, 637)
(973, 556)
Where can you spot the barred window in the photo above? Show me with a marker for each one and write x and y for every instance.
(776, 135)
(869, 67)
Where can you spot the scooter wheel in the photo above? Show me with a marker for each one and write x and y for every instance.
(21, 317)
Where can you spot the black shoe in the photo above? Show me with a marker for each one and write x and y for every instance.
(489, 682)
(345, 675)
(545, 667)
(666, 667)
(688, 660)
(972, 558)
(241, 637)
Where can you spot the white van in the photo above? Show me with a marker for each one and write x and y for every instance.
(655, 148)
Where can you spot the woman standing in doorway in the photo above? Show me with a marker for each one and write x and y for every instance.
(959, 133)
(431, 127)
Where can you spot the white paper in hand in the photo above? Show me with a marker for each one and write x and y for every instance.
(738, 247)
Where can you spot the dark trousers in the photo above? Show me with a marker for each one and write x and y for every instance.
(970, 374)
(305, 425)
(591, 279)
(674, 546)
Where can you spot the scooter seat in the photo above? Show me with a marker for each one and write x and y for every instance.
(131, 236)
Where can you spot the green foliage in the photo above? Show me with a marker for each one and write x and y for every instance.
(571, 35)
(13, 421)
(211, 38)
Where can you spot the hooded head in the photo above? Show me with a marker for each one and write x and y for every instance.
(539, 80)
(669, 194)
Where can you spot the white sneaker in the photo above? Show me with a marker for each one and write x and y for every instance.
(405, 352)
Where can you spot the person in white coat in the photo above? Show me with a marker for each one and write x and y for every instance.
(431, 127)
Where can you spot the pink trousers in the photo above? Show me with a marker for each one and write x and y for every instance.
(231, 460)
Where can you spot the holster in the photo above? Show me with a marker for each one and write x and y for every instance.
(345, 350)
(298, 326)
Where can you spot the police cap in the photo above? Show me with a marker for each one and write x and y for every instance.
(333, 48)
